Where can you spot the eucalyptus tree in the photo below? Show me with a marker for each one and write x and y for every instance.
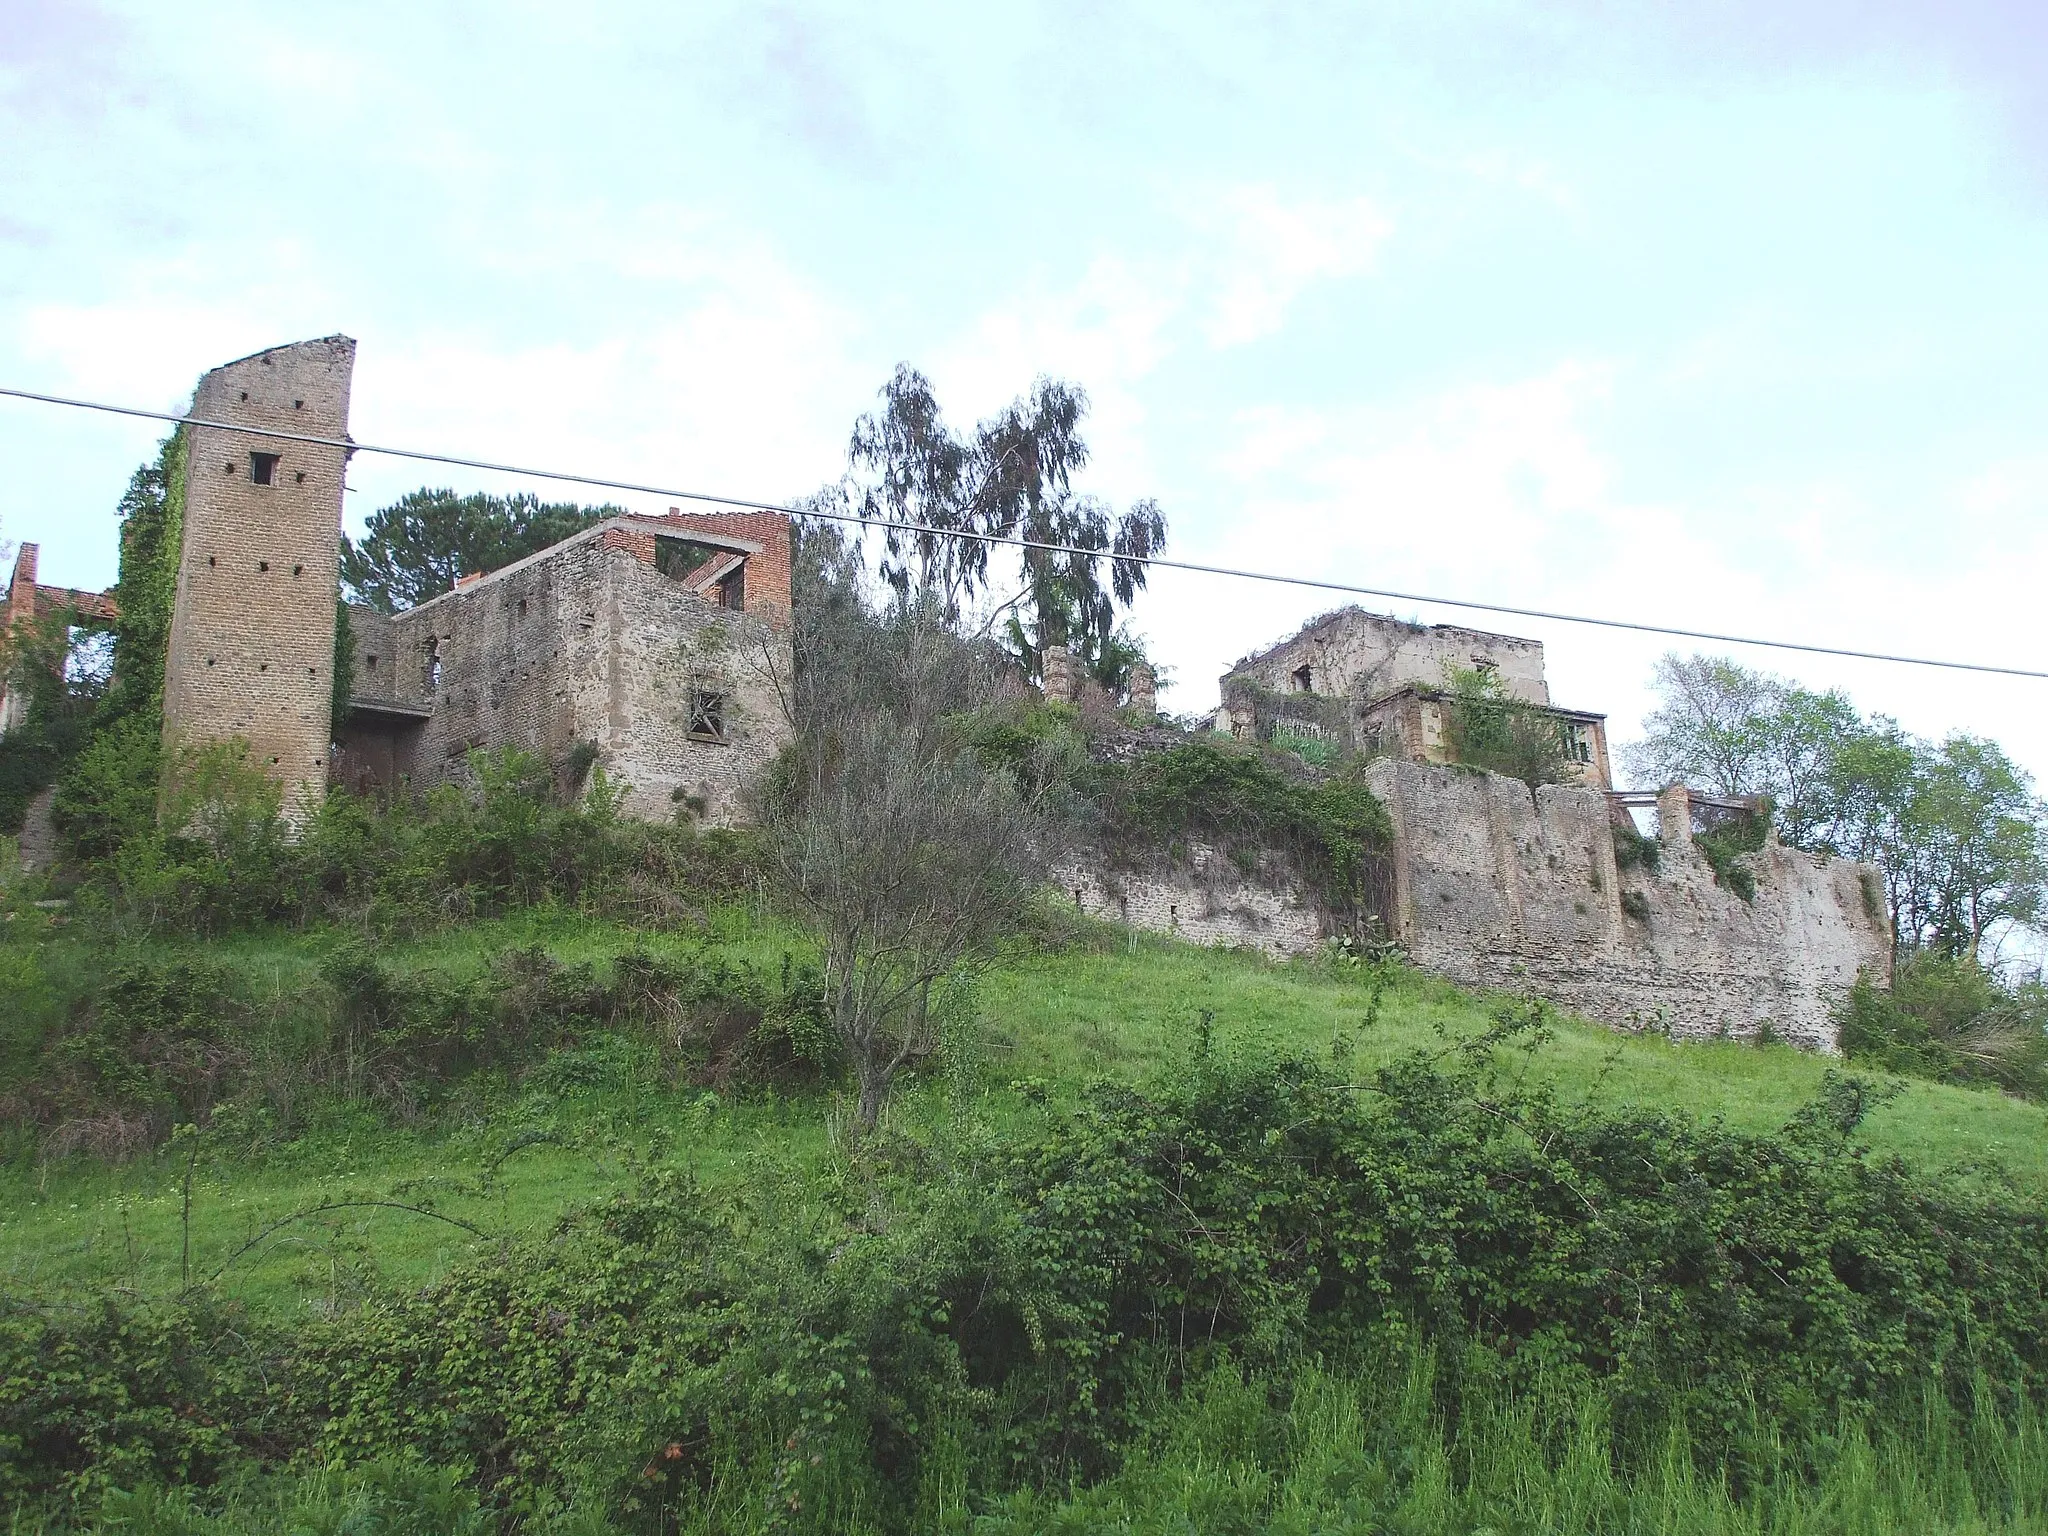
(943, 500)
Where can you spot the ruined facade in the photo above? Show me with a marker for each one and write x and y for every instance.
(29, 603)
(1376, 684)
(661, 643)
(251, 653)
(655, 647)
(1497, 886)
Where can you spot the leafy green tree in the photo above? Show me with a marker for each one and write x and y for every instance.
(1011, 478)
(1980, 828)
(420, 545)
(1725, 728)
(152, 513)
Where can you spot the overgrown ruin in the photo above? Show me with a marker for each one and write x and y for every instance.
(657, 647)
(659, 650)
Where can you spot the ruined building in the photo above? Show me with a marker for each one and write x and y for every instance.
(1490, 883)
(1375, 684)
(28, 604)
(251, 652)
(657, 647)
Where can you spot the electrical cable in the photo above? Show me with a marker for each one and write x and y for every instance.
(1158, 562)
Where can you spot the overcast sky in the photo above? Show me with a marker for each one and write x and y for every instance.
(1730, 314)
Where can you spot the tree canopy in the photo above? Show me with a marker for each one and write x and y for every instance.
(420, 545)
(1011, 477)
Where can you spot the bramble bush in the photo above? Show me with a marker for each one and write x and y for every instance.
(1952, 1020)
(223, 856)
(981, 1313)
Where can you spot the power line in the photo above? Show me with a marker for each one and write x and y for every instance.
(1158, 562)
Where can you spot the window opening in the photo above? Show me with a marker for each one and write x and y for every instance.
(707, 714)
(263, 468)
(1304, 679)
(677, 558)
(732, 592)
(433, 670)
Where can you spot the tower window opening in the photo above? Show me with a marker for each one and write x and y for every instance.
(263, 468)
(707, 714)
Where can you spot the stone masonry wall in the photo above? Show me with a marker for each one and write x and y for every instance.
(1496, 887)
(587, 643)
(251, 647)
(1204, 899)
(1499, 887)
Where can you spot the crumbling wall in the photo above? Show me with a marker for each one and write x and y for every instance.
(1358, 655)
(251, 651)
(587, 643)
(1202, 897)
(1497, 886)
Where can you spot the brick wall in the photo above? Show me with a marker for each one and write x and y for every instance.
(252, 628)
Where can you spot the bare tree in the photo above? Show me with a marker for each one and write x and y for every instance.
(910, 854)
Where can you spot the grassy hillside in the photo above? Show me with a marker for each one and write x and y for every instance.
(509, 1158)
(551, 1223)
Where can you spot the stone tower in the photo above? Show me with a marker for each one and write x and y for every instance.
(251, 650)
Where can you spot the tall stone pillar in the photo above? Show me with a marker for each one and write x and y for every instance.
(1144, 690)
(1056, 675)
(1674, 816)
(251, 653)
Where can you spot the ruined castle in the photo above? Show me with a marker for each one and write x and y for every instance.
(655, 646)
(660, 648)
(1491, 883)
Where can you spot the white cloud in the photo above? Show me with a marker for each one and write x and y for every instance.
(1273, 249)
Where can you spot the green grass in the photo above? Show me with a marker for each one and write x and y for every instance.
(1110, 1005)
(1323, 1446)
(1124, 1012)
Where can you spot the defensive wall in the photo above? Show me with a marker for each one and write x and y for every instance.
(1491, 885)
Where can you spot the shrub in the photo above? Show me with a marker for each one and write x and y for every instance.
(1490, 728)
(1949, 1019)
(998, 1312)
(162, 1041)
(1333, 828)
(223, 857)
(1633, 849)
(1725, 842)
(118, 1394)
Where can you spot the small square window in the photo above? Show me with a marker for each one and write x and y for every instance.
(263, 468)
(707, 714)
